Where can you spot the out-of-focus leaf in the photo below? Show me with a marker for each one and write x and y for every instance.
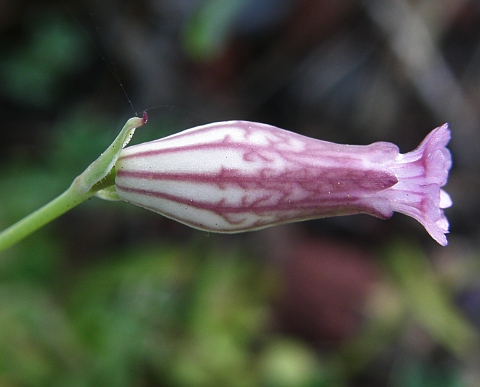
(125, 310)
(37, 345)
(288, 362)
(386, 314)
(207, 31)
(430, 303)
(31, 73)
(417, 373)
(189, 316)
(225, 314)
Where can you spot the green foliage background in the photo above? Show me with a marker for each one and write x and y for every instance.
(109, 295)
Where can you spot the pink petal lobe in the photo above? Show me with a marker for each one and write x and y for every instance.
(422, 173)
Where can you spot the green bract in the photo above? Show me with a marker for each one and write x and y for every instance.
(96, 179)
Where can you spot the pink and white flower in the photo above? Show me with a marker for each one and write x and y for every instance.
(239, 176)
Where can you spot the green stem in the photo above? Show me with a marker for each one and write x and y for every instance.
(72, 197)
(98, 176)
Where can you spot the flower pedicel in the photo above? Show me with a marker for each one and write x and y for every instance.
(239, 176)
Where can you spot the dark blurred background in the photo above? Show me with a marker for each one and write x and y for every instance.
(112, 295)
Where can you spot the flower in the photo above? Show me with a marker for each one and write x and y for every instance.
(240, 176)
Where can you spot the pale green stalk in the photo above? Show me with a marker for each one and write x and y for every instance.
(98, 176)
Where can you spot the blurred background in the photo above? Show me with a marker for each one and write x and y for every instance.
(112, 295)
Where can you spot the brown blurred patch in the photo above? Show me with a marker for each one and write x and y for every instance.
(326, 286)
(313, 20)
